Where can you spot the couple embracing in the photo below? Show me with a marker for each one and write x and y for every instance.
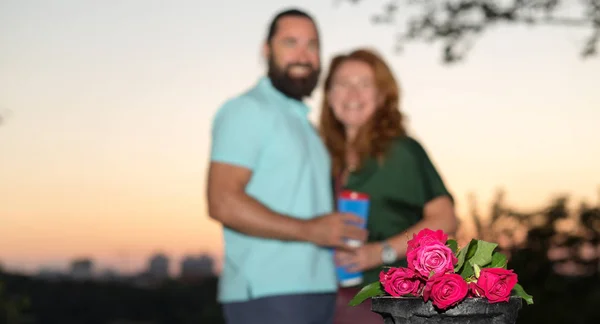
(273, 179)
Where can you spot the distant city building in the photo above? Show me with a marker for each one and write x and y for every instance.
(197, 267)
(158, 266)
(82, 269)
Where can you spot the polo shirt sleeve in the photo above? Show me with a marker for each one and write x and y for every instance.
(432, 182)
(239, 131)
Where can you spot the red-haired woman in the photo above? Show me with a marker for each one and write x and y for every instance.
(363, 130)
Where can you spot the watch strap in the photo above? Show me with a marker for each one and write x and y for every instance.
(388, 253)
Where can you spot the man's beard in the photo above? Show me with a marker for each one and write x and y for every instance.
(295, 88)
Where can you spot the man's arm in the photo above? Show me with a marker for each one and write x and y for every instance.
(239, 131)
(229, 204)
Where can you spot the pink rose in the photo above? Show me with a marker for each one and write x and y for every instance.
(445, 290)
(426, 237)
(401, 282)
(433, 257)
(496, 284)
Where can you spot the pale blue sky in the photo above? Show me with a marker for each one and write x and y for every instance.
(106, 147)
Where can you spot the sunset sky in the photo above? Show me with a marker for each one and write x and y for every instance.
(105, 149)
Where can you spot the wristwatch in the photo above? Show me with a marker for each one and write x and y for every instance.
(388, 254)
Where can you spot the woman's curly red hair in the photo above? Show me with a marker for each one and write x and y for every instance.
(375, 137)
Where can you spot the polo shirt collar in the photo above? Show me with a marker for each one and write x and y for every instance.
(297, 106)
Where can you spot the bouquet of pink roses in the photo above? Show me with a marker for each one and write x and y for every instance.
(441, 272)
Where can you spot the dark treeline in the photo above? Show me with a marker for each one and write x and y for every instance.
(71, 302)
(556, 253)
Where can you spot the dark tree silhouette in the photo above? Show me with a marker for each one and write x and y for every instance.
(556, 253)
(12, 307)
(457, 23)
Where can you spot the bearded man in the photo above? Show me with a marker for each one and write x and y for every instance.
(269, 185)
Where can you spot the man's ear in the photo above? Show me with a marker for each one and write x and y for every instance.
(266, 51)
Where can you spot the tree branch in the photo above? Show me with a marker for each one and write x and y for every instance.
(457, 23)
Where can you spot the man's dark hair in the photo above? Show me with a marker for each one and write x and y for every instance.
(283, 14)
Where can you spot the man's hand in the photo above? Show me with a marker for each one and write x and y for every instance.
(332, 230)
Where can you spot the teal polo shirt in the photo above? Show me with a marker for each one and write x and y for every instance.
(269, 133)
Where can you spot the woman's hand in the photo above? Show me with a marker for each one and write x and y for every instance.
(363, 258)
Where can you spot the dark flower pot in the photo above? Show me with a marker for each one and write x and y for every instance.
(413, 310)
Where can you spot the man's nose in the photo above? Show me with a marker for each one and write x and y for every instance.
(303, 56)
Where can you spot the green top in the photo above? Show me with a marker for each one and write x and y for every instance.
(399, 187)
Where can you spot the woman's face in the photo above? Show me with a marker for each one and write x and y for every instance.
(353, 95)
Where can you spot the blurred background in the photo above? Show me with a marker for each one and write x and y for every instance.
(105, 112)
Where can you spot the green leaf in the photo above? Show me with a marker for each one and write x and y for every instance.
(467, 271)
(519, 291)
(472, 248)
(479, 253)
(453, 245)
(499, 260)
(477, 270)
(461, 256)
(483, 253)
(368, 291)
